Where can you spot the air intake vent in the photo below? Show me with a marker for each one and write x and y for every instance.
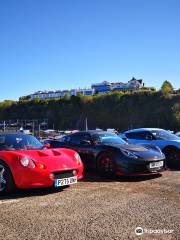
(56, 153)
(42, 154)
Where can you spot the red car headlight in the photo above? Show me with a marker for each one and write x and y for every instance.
(27, 162)
(77, 159)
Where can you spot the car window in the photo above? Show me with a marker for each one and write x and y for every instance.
(143, 135)
(63, 139)
(108, 138)
(55, 144)
(77, 138)
(164, 135)
(19, 142)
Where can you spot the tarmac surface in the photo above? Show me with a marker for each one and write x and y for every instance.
(95, 208)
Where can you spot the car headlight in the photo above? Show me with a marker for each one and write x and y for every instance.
(27, 162)
(128, 153)
(77, 159)
(152, 147)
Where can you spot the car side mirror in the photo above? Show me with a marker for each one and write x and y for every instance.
(125, 139)
(85, 142)
(149, 137)
(47, 145)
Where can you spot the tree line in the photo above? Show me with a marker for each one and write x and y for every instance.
(117, 110)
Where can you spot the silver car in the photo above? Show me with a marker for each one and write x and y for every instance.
(168, 143)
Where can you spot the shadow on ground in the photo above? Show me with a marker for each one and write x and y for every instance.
(30, 193)
(90, 176)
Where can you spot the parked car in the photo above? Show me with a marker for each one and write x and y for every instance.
(26, 163)
(169, 143)
(110, 155)
(178, 134)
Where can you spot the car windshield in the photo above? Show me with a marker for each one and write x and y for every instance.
(108, 138)
(164, 135)
(19, 142)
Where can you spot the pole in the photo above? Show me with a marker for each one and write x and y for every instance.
(33, 128)
(39, 130)
(4, 126)
(86, 125)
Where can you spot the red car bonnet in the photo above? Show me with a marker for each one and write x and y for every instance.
(54, 159)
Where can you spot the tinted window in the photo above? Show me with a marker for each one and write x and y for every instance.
(77, 138)
(63, 139)
(144, 135)
(164, 135)
(55, 144)
(108, 138)
(19, 142)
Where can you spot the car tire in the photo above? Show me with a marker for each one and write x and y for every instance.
(172, 157)
(105, 165)
(7, 184)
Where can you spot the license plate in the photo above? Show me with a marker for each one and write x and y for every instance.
(65, 181)
(156, 164)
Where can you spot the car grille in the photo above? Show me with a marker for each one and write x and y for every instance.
(140, 168)
(144, 168)
(63, 174)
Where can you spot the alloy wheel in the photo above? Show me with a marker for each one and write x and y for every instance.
(106, 166)
(2, 178)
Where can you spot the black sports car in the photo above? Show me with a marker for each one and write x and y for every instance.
(111, 155)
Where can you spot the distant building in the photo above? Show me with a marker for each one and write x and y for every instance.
(60, 94)
(98, 88)
(86, 92)
(132, 84)
(103, 87)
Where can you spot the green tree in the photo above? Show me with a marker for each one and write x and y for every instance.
(114, 110)
(166, 87)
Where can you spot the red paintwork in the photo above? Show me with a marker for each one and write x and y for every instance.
(55, 160)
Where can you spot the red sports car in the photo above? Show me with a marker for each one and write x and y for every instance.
(26, 163)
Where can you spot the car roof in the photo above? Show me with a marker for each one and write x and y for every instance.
(143, 129)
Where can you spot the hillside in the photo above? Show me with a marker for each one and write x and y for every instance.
(115, 110)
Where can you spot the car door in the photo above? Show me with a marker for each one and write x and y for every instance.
(82, 143)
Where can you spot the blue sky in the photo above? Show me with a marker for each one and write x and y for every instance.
(63, 44)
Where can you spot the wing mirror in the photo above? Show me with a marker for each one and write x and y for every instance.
(125, 139)
(85, 142)
(149, 137)
(47, 145)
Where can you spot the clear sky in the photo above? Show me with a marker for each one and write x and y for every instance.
(63, 44)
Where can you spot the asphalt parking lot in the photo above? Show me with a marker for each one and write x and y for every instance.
(95, 209)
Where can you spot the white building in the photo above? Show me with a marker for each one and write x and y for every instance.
(132, 84)
(99, 88)
(60, 94)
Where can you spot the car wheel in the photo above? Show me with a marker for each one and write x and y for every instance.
(105, 165)
(172, 157)
(6, 179)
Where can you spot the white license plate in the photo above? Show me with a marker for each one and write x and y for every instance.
(65, 181)
(156, 164)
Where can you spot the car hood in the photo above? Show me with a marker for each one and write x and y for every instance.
(54, 159)
(141, 151)
(130, 147)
